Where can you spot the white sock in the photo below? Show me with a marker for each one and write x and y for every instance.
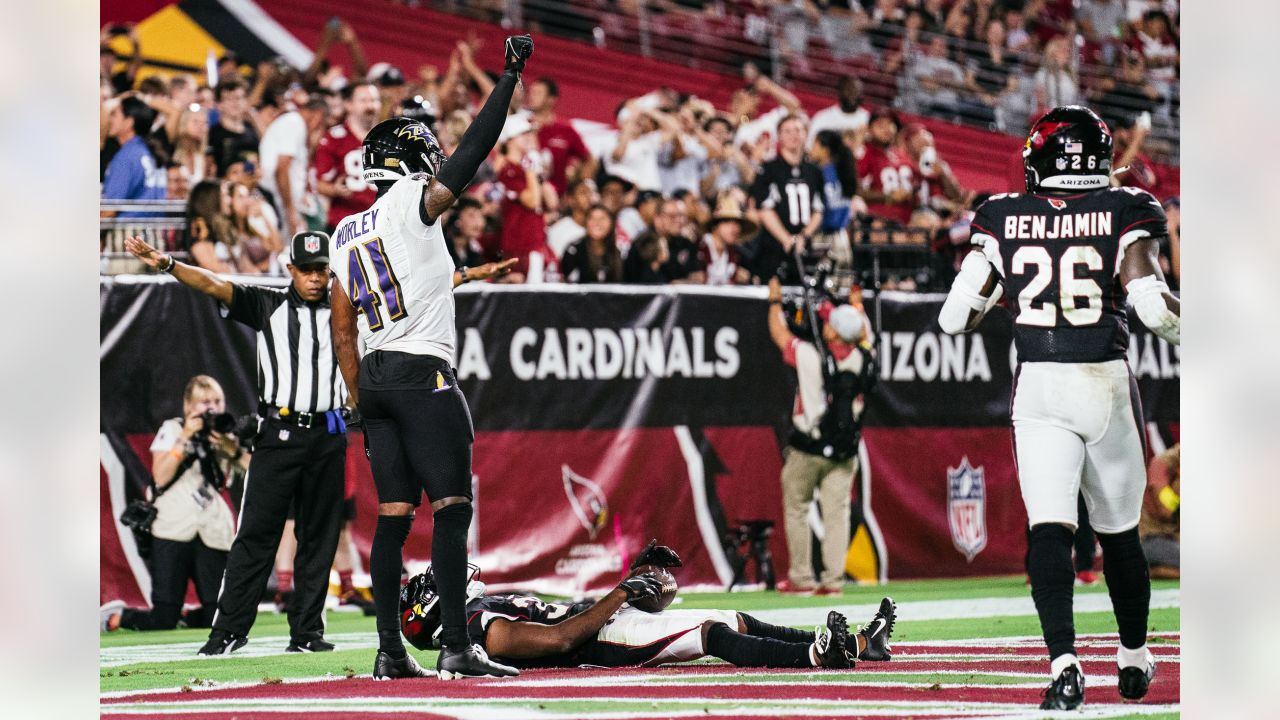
(1062, 662)
(813, 655)
(1138, 658)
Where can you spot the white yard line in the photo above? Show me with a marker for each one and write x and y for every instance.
(954, 609)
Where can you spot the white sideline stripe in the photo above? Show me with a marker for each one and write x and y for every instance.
(502, 709)
(115, 488)
(698, 484)
(270, 32)
(955, 609)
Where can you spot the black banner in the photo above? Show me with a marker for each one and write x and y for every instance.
(563, 357)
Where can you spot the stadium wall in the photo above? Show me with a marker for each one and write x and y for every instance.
(607, 417)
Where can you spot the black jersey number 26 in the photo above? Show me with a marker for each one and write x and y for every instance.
(1036, 259)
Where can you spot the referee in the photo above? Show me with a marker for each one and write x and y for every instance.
(300, 456)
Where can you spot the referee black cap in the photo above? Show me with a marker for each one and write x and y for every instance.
(309, 247)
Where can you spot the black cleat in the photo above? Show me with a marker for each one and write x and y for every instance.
(470, 662)
(386, 667)
(312, 645)
(222, 642)
(831, 644)
(876, 633)
(1134, 681)
(1066, 692)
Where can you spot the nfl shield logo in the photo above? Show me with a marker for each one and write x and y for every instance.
(311, 243)
(1061, 163)
(967, 508)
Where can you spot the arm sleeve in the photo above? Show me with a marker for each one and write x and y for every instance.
(1142, 217)
(983, 234)
(480, 137)
(252, 305)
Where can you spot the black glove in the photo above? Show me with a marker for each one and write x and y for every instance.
(519, 48)
(646, 585)
(655, 554)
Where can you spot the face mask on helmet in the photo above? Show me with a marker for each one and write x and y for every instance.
(1068, 149)
(420, 607)
(400, 147)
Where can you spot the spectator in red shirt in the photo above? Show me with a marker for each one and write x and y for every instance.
(885, 178)
(570, 158)
(526, 196)
(338, 164)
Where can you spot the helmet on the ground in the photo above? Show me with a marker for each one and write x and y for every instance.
(420, 607)
(398, 147)
(1069, 148)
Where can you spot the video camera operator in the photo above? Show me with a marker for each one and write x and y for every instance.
(822, 452)
(192, 527)
(300, 453)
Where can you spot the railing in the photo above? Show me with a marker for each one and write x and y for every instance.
(161, 223)
(812, 54)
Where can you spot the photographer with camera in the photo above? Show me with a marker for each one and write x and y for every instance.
(188, 521)
(301, 448)
(835, 366)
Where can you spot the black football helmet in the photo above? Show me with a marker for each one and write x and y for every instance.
(420, 607)
(399, 147)
(1069, 148)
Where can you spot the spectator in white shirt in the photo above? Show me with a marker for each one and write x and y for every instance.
(1055, 82)
(581, 195)
(644, 133)
(285, 156)
(847, 115)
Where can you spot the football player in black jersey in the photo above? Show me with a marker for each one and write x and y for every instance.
(526, 632)
(1066, 254)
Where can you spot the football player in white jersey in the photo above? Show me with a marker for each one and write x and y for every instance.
(1067, 254)
(393, 288)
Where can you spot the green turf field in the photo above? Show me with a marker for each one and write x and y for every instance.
(947, 643)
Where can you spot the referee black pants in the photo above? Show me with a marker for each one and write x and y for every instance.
(292, 466)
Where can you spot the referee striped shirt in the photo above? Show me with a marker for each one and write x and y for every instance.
(297, 365)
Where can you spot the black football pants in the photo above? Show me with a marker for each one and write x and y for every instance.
(297, 467)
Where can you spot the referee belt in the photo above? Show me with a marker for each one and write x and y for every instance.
(290, 417)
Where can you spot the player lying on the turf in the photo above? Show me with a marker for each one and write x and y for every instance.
(524, 631)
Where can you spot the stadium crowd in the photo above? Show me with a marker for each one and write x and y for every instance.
(677, 190)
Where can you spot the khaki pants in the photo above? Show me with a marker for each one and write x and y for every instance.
(801, 474)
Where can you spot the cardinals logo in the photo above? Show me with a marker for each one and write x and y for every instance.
(1057, 204)
(967, 508)
(587, 500)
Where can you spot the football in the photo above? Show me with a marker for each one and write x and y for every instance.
(669, 588)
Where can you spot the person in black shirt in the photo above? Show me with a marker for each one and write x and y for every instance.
(464, 233)
(663, 254)
(595, 258)
(300, 455)
(788, 193)
(120, 81)
(233, 137)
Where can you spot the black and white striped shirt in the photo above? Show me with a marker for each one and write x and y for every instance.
(297, 365)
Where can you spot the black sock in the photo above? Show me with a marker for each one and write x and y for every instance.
(449, 566)
(1129, 584)
(759, 628)
(384, 576)
(751, 651)
(1052, 585)
(1086, 553)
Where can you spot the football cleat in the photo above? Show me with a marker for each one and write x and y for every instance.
(1066, 692)
(313, 645)
(876, 633)
(1134, 681)
(471, 662)
(222, 642)
(831, 643)
(785, 587)
(1086, 578)
(386, 667)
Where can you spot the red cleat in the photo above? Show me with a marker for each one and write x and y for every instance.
(1086, 578)
(823, 591)
(785, 587)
